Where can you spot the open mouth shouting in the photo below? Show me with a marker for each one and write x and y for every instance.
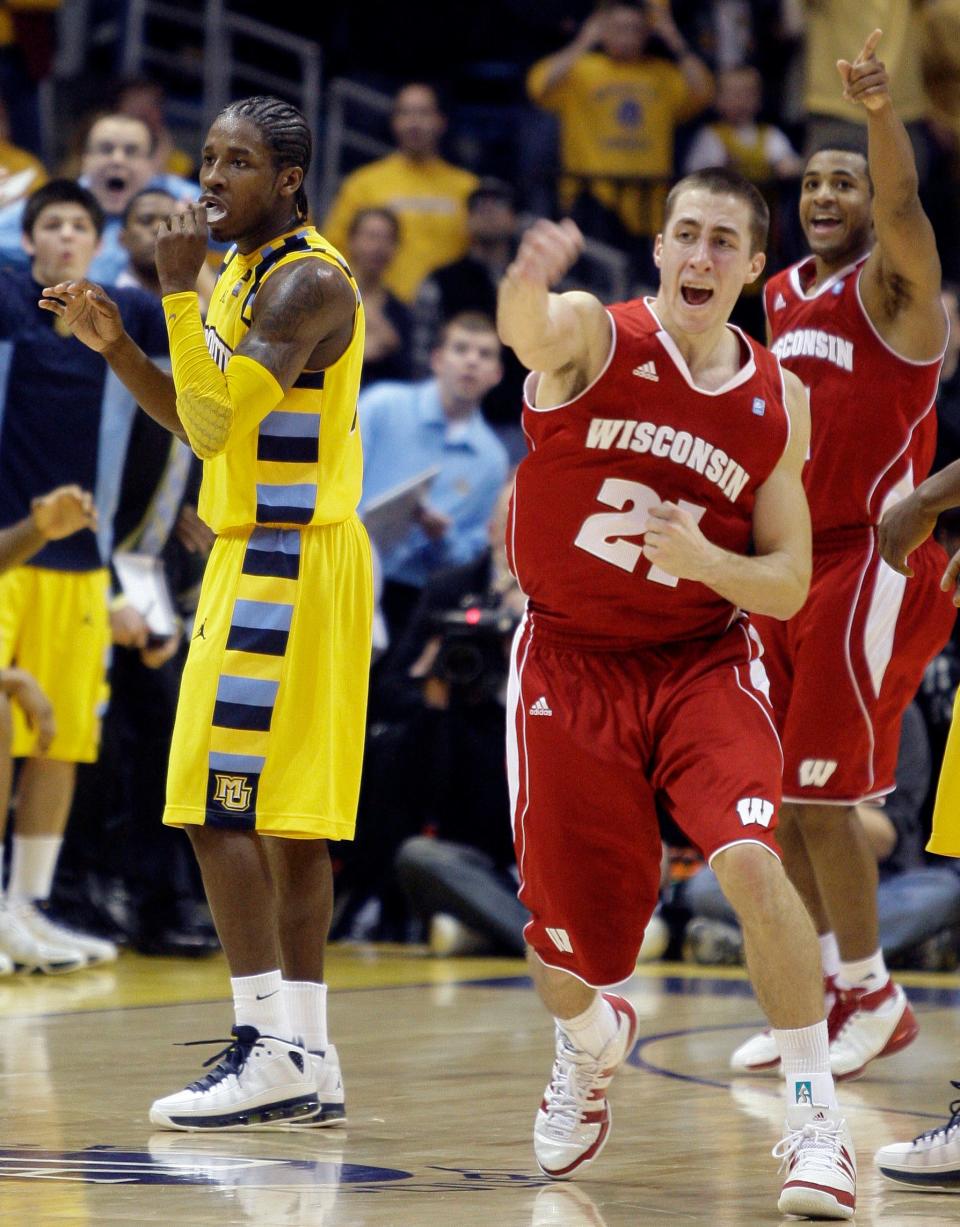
(116, 184)
(695, 295)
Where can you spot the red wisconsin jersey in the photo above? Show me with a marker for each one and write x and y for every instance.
(641, 434)
(872, 430)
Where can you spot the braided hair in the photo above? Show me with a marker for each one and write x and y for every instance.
(285, 132)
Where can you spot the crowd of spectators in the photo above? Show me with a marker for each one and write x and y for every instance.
(593, 111)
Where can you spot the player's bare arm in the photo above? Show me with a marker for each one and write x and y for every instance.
(901, 281)
(564, 336)
(94, 318)
(302, 314)
(907, 524)
(776, 578)
(302, 319)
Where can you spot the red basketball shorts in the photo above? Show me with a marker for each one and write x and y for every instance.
(844, 669)
(595, 739)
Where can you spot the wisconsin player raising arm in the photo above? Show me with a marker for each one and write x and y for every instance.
(265, 761)
(860, 322)
(665, 445)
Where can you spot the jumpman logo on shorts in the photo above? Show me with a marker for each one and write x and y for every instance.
(199, 634)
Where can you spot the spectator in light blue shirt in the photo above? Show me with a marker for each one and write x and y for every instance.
(117, 163)
(409, 428)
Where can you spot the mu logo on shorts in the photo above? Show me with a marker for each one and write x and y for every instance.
(233, 792)
(755, 810)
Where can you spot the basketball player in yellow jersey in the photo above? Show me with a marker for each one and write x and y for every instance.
(265, 763)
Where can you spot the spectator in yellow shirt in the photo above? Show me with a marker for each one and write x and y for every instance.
(20, 172)
(427, 194)
(618, 110)
(831, 121)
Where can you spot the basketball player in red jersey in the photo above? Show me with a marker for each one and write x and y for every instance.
(861, 324)
(664, 445)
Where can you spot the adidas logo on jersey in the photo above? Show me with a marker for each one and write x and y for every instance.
(561, 939)
(541, 707)
(647, 370)
(814, 772)
(779, 302)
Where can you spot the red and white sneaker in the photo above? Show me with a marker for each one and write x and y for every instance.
(573, 1121)
(759, 1053)
(821, 1171)
(875, 1024)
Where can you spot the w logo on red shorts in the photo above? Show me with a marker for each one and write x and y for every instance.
(814, 772)
(755, 810)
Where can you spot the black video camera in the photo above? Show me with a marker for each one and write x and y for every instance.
(473, 641)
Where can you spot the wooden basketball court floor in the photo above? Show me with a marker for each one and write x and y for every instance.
(444, 1063)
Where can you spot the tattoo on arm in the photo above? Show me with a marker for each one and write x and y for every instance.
(294, 312)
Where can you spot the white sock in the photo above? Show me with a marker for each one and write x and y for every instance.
(594, 1028)
(829, 954)
(805, 1057)
(870, 973)
(258, 1002)
(32, 865)
(306, 1004)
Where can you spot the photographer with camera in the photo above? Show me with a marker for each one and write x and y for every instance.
(434, 804)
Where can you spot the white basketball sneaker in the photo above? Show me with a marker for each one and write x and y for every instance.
(7, 967)
(573, 1122)
(821, 1170)
(330, 1096)
(29, 952)
(876, 1024)
(760, 1054)
(97, 949)
(931, 1161)
(756, 1055)
(259, 1080)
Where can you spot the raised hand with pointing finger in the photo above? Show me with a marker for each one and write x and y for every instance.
(865, 80)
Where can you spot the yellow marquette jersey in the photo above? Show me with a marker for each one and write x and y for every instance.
(303, 464)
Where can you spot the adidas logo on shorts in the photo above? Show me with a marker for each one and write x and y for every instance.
(541, 707)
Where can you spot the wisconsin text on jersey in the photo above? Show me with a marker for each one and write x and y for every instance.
(671, 444)
(815, 343)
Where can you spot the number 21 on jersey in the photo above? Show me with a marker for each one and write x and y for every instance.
(605, 534)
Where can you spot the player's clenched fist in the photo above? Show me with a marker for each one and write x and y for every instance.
(673, 542)
(547, 252)
(63, 511)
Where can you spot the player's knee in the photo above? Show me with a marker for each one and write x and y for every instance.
(752, 879)
(816, 821)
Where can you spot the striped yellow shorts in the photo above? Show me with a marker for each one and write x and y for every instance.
(270, 723)
(945, 835)
(56, 625)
